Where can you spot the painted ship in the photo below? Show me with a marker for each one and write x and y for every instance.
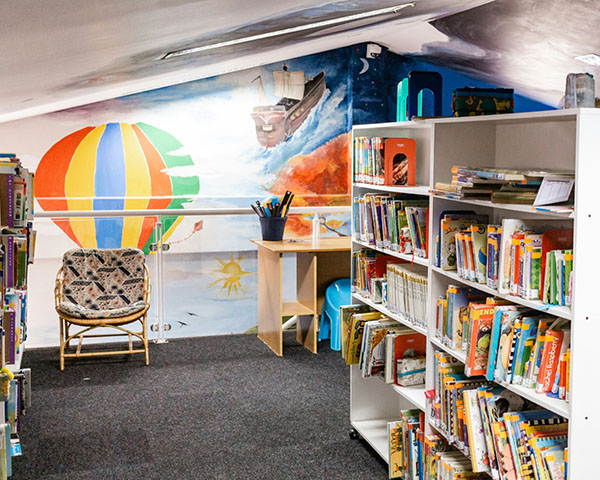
(299, 95)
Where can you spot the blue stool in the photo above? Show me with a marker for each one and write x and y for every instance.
(336, 295)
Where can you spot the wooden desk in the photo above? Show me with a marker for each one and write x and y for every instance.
(318, 263)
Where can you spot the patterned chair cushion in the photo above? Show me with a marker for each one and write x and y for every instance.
(96, 280)
(77, 311)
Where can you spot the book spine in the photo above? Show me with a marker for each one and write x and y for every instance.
(550, 359)
(12, 337)
(9, 271)
(10, 220)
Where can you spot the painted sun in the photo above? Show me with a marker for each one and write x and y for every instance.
(231, 274)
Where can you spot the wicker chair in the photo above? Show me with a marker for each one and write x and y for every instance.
(102, 288)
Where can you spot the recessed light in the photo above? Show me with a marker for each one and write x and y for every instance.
(325, 23)
(590, 58)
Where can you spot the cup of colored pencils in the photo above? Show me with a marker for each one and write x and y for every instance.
(272, 215)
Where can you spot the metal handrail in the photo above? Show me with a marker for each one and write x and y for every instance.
(181, 212)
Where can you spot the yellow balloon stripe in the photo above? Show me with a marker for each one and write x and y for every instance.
(171, 229)
(79, 186)
(137, 185)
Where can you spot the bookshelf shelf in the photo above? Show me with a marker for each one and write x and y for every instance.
(555, 405)
(462, 356)
(414, 394)
(562, 312)
(374, 432)
(551, 140)
(296, 308)
(385, 311)
(403, 256)
(528, 209)
(416, 190)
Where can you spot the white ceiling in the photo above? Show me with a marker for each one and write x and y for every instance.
(58, 54)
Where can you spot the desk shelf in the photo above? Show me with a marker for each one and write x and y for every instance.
(289, 309)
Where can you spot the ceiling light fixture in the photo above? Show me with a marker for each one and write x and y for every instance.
(324, 23)
(590, 58)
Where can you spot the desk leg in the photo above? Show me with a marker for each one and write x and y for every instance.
(269, 299)
(306, 286)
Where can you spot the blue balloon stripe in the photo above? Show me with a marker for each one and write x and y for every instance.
(109, 181)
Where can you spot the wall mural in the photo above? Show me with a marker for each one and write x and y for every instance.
(219, 142)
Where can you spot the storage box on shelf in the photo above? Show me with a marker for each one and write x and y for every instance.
(552, 140)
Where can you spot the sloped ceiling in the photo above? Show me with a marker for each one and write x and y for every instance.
(58, 53)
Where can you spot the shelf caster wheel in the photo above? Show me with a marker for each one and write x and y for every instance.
(354, 435)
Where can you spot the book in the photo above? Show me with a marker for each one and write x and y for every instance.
(499, 311)
(399, 161)
(10, 335)
(480, 461)
(346, 313)
(494, 234)
(529, 326)
(549, 360)
(554, 239)
(395, 450)
(7, 205)
(510, 322)
(372, 360)
(482, 317)
(479, 235)
(355, 336)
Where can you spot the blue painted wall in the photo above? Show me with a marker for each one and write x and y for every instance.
(374, 90)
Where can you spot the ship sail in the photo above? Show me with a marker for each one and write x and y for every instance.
(289, 84)
(262, 98)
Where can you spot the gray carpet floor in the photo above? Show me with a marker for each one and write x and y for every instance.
(221, 407)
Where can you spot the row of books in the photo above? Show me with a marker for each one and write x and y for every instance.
(525, 258)
(15, 392)
(384, 161)
(381, 346)
(503, 434)
(397, 223)
(14, 324)
(506, 343)
(498, 185)
(399, 286)
(16, 192)
(405, 292)
(415, 455)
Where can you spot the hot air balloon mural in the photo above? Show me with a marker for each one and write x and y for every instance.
(114, 166)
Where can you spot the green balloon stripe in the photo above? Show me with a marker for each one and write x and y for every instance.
(164, 143)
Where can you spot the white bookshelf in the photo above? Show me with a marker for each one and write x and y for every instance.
(561, 139)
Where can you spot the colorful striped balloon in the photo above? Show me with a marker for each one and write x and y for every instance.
(115, 166)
